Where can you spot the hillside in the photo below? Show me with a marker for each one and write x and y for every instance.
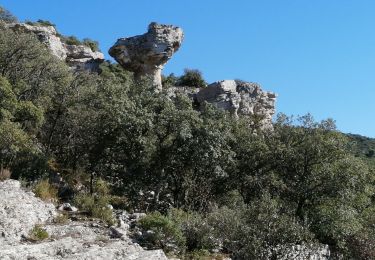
(144, 161)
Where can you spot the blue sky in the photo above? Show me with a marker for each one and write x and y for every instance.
(319, 56)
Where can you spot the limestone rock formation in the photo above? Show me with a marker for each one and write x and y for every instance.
(46, 34)
(302, 252)
(20, 211)
(146, 54)
(88, 239)
(79, 57)
(240, 98)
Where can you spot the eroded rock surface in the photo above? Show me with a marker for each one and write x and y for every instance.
(20, 211)
(302, 252)
(75, 240)
(79, 57)
(146, 54)
(46, 34)
(240, 98)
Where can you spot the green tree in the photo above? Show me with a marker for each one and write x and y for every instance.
(192, 78)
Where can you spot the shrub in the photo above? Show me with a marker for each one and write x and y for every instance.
(71, 40)
(97, 205)
(44, 190)
(197, 231)
(38, 233)
(94, 45)
(165, 233)
(170, 80)
(192, 78)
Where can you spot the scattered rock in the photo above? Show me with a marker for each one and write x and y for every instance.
(20, 211)
(301, 252)
(67, 207)
(146, 54)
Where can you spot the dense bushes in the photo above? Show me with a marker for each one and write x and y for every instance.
(190, 78)
(219, 183)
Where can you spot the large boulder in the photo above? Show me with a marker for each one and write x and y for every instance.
(78, 57)
(146, 54)
(240, 98)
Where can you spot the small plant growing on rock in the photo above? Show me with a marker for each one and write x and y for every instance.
(38, 233)
(94, 45)
(44, 190)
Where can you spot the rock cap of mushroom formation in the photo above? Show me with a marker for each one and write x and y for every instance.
(146, 54)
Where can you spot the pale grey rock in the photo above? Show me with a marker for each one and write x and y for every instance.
(20, 211)
(46, 34)
(78, 57)
(240, 98)
(146, 54)
(81, 57)
(75, 240)
(301, 252)
(75, 249)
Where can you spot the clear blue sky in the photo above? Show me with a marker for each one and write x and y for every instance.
(318, 55)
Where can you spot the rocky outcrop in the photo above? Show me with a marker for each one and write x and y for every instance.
(146, 54)
(46, 34)
(20, 211)
(79, 57)
(302, 252)
(240, 98)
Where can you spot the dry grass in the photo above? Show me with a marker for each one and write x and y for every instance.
(44, 190)
(5, 174)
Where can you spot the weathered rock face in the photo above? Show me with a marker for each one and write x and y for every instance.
(46, 34)
(240, 98)
(146, 54)
(302, 252)
(79, 57)
(21, 210)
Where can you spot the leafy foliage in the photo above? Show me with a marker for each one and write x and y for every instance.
(162, 231)
(192, 78)
(219, 183)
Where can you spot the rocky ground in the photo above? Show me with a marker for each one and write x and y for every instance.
(21, 211)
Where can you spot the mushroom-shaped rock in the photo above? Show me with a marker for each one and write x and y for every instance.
(146, 54)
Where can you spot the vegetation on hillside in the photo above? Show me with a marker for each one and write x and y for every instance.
(208, 180)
